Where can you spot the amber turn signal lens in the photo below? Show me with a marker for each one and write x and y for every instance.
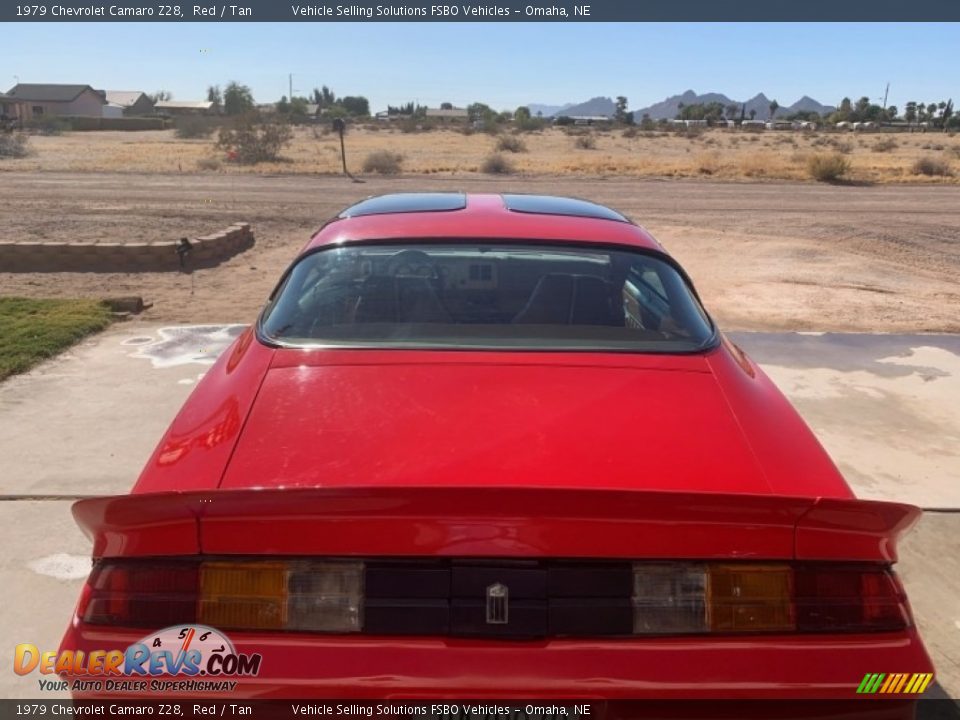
(243, 595)
(749, 597)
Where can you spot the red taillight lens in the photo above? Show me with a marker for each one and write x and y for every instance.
(834, 598)
(152, 593)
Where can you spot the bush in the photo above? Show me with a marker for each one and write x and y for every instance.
(585, 142)
(885, 145)
(208, 164)
(14, 145)
(383, 162)
(511, 143)
(497, 164)
(630, 132)
(249, 142)
(932, 167)
(841, 146)
(707, 163)
(194, 126)
(828, 168)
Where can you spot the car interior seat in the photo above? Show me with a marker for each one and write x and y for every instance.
(559, 299)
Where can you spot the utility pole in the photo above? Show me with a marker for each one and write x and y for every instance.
(885, 94)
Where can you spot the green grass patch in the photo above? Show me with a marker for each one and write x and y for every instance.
(34, 330)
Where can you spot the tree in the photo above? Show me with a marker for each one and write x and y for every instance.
(620, 112)
(356, 105)
(946, 114)
(910, 114)
(283, 107)
(753, 113)
(237, 99)
(214, 95)
(298, 110)
(731, 111)
(774, 106)
(481, 113)
(521, 114)
(446, 106)
(160, 96)
(324, 97)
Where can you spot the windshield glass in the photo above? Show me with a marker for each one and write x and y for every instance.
(487, 295)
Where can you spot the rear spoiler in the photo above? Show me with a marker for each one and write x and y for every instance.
(493, 522)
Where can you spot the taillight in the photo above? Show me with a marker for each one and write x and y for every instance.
(229, 594)
(678, 598)
(156, 594)
(834, 599)
(664, 598)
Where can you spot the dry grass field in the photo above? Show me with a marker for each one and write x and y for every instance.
(874, 158)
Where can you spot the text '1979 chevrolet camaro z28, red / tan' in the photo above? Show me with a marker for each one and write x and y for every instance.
(494, 446)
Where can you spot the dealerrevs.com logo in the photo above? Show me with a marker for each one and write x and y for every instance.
(180, 658)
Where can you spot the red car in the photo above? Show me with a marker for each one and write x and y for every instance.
(493, 446)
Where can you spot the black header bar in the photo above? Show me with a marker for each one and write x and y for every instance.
(560, 11)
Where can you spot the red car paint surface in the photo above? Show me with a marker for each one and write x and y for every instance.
(507, 454)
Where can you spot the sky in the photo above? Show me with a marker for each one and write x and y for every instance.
(502, 64)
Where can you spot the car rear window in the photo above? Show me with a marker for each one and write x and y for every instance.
(486, 295)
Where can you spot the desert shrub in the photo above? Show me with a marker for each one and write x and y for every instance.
(630, 132)
(828, 168)
(194, 126)
(249, 142)
(208, 164)
(585, 142)
(841, 146)
(954, 150)
(497, 164)
(383, 162)
(932, 167)
(707, 163)
(14, 145)
(885, 145)
(533, 124)
(690, 133)
(511, 143)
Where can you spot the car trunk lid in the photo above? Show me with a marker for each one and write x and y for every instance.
(560, 420)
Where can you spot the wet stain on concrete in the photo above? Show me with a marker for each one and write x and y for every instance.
(183, 345)
(847, 352)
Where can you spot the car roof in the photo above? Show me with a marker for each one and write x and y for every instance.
(456, 215)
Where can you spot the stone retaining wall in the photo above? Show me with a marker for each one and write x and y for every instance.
(207, 251)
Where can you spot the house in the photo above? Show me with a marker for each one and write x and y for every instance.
(448, 115)
(184, 107)
(37, 101)
(129, 103)
(590, 119)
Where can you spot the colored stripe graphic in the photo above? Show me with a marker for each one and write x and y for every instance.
(923, 685)
(894, 683)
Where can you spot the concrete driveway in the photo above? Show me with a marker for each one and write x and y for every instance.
(885, 406)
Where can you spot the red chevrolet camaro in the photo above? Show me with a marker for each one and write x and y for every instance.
(492, 446)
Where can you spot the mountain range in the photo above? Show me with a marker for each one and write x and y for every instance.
(670, 107)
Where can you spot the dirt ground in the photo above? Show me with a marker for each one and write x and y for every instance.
(765, 256)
